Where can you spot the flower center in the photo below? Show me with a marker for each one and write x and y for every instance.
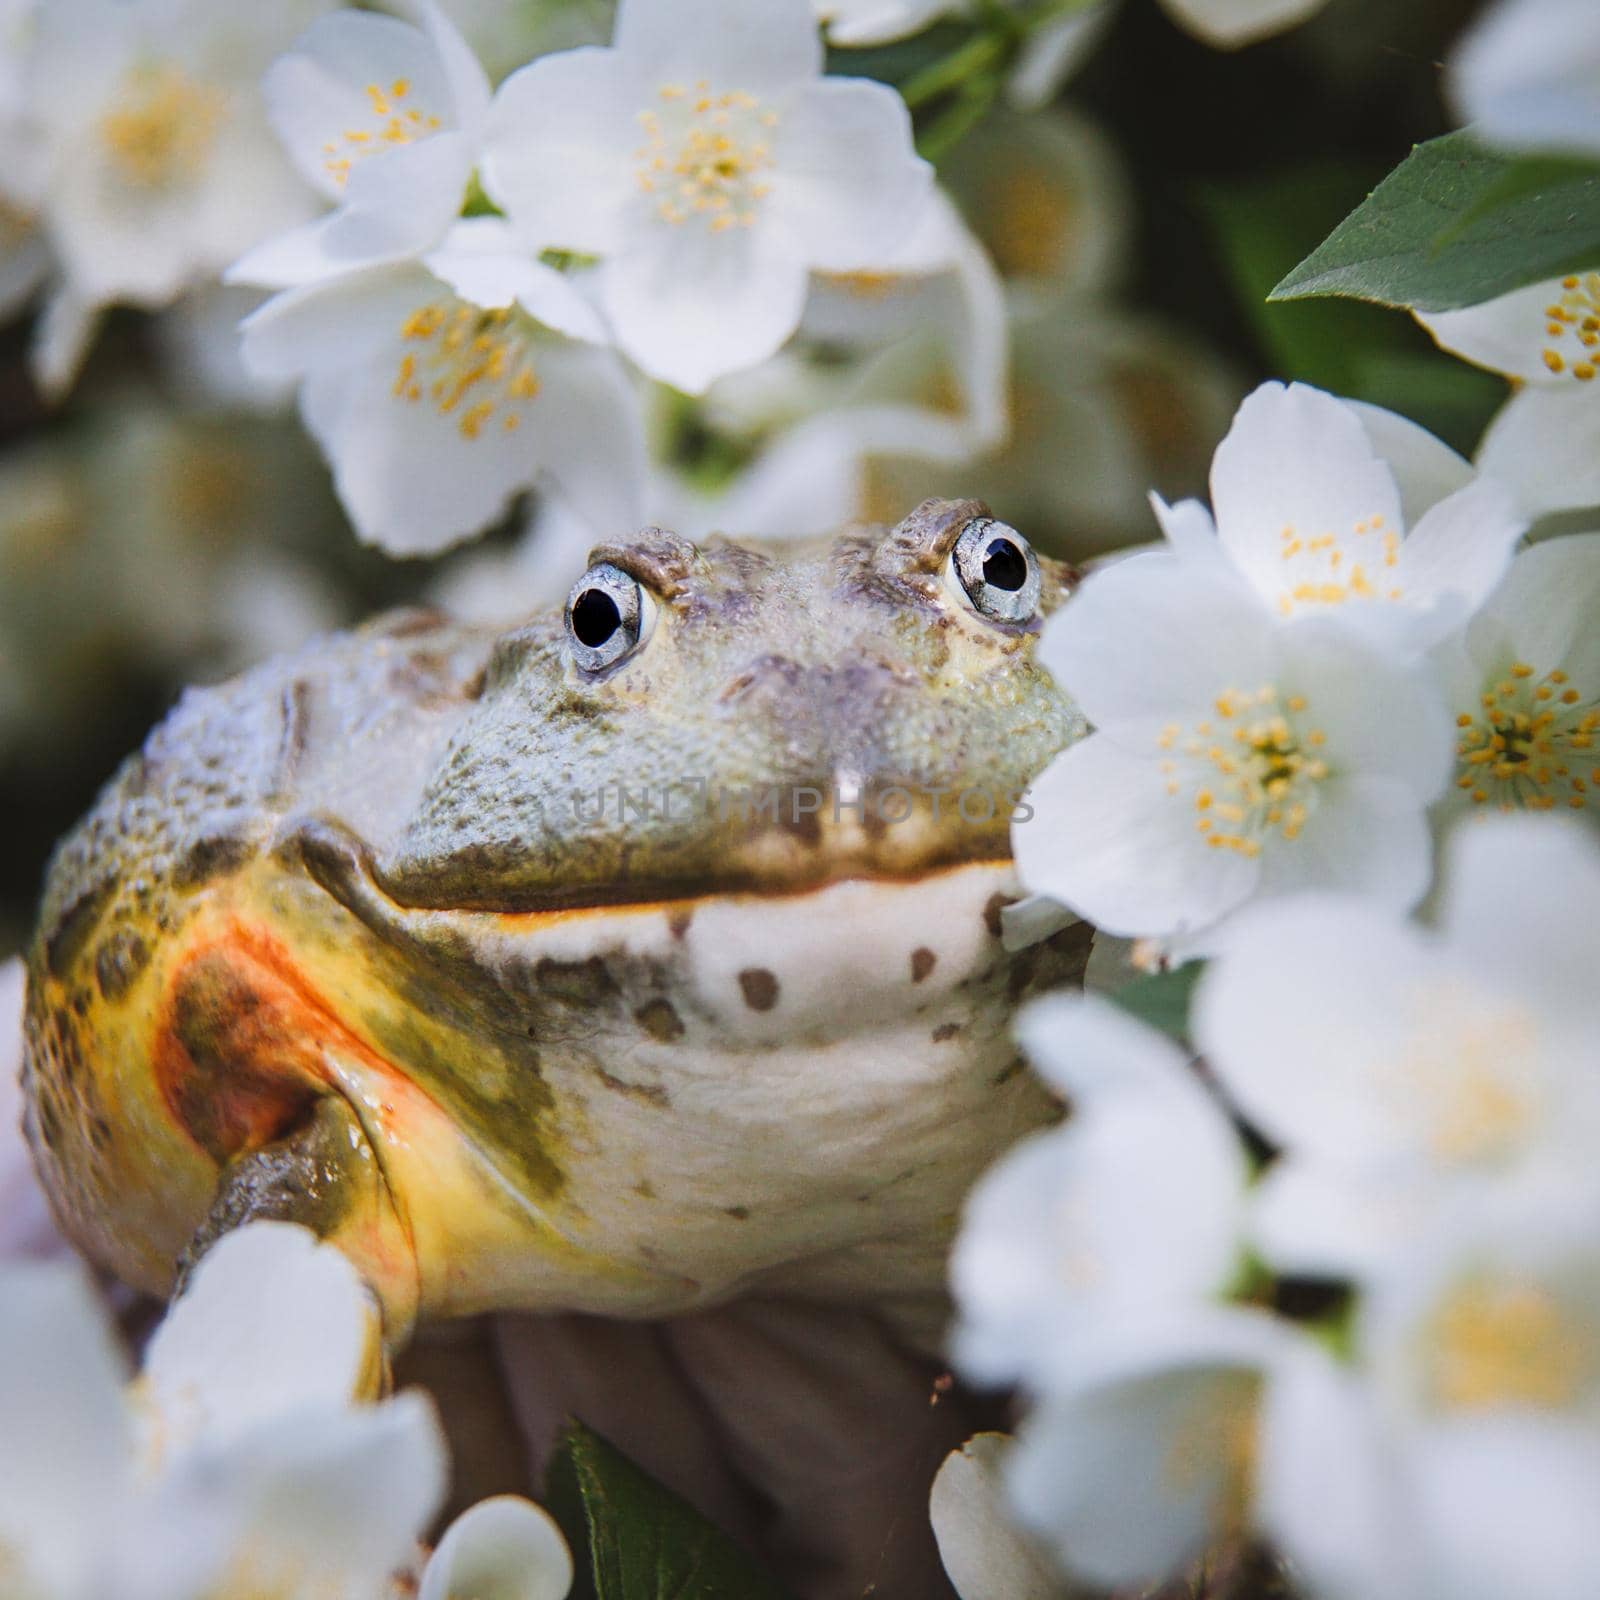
(1508, 1344)
(1252, 771)
(1529, 743)
(706, 156)
(1215, 1442)
(1329, 568)
(468, 363)
(1572, 324)
(162, 128)
(390, 124)
(1031, 224)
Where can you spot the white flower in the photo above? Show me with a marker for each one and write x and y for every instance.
(1404, 1072)
(437, 390)
(504, 1548)
(985, 1556)
(1130, 1211)
(1145, 1459)
(385, 119)
(1310, 506)
(239, 1463)
(1235, 757)
(709, 163)
(1458, 1455)
(1524, 682)
(1527, 76)
(1545, 442)
(155, 163)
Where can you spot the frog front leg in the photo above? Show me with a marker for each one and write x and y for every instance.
(325, 1175)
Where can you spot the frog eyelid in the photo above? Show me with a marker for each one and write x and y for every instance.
(609, 615)
(996, 570)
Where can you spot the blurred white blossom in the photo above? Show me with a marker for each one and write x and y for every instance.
(239, 1461)
(1523, 679)
(709, 163)
(1545, 442)
(1136, 1203)
(439, 389)
(1466, 1067)
(1527, 76)
(503, 1548)
(385, 118)
(148, 154)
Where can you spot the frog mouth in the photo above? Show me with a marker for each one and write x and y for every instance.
(344, 867)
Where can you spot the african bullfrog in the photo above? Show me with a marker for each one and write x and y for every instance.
(641, 957)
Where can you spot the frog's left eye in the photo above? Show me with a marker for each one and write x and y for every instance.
(997, 569)
(609, 615)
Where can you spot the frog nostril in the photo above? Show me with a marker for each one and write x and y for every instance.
(595, 617)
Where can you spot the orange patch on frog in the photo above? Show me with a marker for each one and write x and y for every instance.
(241, 1047)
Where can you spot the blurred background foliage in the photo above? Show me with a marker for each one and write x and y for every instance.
(151, 534)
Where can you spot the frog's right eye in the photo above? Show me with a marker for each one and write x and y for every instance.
(609, 615)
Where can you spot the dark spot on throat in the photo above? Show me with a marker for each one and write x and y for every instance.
(923, 961)
(992, 908)
(659, 1018)
(760, 988)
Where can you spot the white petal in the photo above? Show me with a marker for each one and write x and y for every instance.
(730, 44)
(1052, 52)
(689, 306)
(1188, 527)
(558, 149)
(67, 1452)
(331, 327)
(1545, 443)
(1545, 610)
(479, 260)
(1130, 1476)
(320, 91)
(1379, 716)
(1297, 467)
(591, 437)
(1303, 1012)
(1155, 639)
(1368, 835)
(325, 1503)
(985, 1555)
(1318, 1220)
(1228, 24)
(1426, 469)
(505, 1548)
(271, 1322)
(61, 341)
(1506, 334)
(1108, 840)
(1518, 902)
(1456, 555)
(1528, 73)
(849, 187)
(854, 23)
(468, 82)
(1327, 1489)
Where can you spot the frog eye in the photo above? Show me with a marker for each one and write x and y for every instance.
(997, 569)
(609, 615)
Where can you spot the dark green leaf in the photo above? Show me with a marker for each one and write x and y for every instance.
(1161, 999)
(1433, 236)
(634, 1539)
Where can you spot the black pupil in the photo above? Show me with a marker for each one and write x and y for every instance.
(1004, 566)
(594, 618)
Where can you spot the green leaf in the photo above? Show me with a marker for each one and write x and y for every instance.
(634, 1539)
(1452, 226)
(1161, 999)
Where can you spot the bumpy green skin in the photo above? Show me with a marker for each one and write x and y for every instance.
(367, 937)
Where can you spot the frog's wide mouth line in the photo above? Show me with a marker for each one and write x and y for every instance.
(343, 866)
